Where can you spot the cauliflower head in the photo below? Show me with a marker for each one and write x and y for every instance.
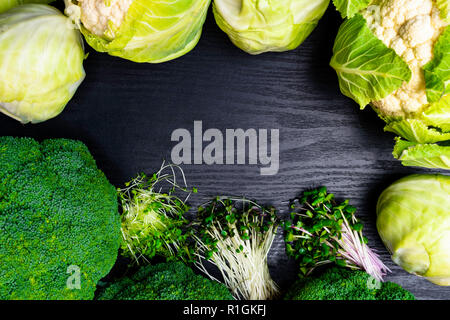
(101, 17)
(411, 29)
(395, 56)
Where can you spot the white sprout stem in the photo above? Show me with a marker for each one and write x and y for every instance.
(246, 273)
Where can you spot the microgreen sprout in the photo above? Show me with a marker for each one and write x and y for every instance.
(153, 222)
(236, 236)
(320, 231)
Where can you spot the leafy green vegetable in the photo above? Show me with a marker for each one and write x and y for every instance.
(320, 231)
(272, 25)
(444, 8)
(422, 155)
(417, 131)
(153, 222)
(165, 281)
(59, 220)
(36, 84)
(343, 284)
(437, 71)
(151, 31)
(393, 85)
(438, 114)
(425, 139)
(413, 220)
(236, 236)
(8, 4)
(367, 70)
(348, 8)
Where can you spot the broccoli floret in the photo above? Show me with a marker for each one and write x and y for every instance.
(345, 284)
(165, 281)
(59, 220)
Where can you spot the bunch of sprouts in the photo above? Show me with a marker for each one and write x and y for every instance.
(153, 221)
(236, 235)
(321, 231)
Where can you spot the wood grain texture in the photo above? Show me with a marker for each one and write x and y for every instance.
(125, 112)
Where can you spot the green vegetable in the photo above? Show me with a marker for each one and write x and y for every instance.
(437, 71)
(36, 84)
(396, 57)
(361, 60)
(348, 8)
(343, 284)
(271, 25)
(165, 281)
(236, 236)
(59, 220)
(414, 223)
(320, 231)
(444, 7)
(8, 4)
(140, 30)
(153, 222)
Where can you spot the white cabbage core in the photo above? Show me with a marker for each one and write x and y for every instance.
(411, 28)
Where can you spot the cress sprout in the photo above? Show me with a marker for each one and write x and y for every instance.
(153, 221)
(321, 231)
(236, 235)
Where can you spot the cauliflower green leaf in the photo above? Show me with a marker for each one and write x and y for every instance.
(367, 69)
(417, 131)
(438, 114)
(348, 8)
(437, 71)
(422, 155)
(444, 7)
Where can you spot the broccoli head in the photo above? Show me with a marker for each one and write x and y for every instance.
(59, 220)
(165, 281)
(345, 284)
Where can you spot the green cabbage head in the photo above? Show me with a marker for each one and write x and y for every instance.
(140, 30)
(41, 62)
(413, 220)
(258, 26)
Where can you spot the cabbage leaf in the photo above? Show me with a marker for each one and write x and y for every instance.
(348, 8)
(8, 4)
(41, 62)
(270, 25)
(367, 69)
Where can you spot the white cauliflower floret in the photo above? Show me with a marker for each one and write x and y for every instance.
(102, 17)
(410, 28)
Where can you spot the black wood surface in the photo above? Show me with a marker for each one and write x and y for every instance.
(125, 112)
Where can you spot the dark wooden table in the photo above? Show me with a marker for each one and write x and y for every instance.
(125, 112)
